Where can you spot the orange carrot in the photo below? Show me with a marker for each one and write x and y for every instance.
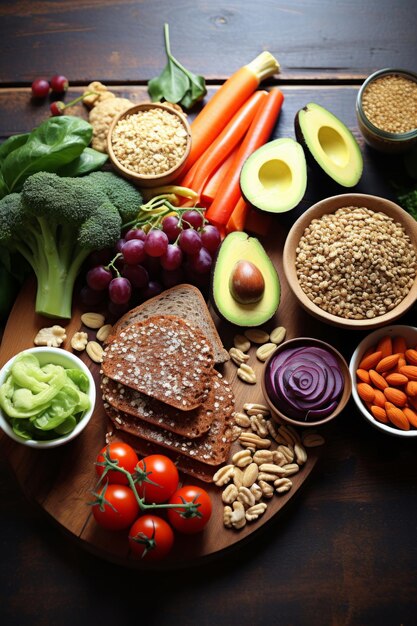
(227, 140)
(226, 101)
(258, 133)
(211, 187)
(237, 220)
(188, 178)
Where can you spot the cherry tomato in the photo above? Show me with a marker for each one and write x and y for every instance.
(59, 83)
(116, 507)
(160, 470)
(126, 458)
(179, 518)
(151, 538)
(40, 88)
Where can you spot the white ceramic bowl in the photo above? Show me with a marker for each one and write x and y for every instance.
(410, 334)
(57, 356)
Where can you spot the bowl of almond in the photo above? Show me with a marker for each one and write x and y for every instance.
(383, 369)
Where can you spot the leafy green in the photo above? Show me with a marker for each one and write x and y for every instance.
(59, 144)
(175, 83)
(43, 401)
(408, 201)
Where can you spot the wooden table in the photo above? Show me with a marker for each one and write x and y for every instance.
(344, 552)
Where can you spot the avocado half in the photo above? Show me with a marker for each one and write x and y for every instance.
(274, 177)
(236, 247)
(330, 144)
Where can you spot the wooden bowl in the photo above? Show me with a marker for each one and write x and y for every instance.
(330, 205)
(410, 335)
(152, 180)
(298, 343)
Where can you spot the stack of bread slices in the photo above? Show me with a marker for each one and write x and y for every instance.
(160, 388)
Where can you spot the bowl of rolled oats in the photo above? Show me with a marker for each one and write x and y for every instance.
(351, 261)
(149, 143)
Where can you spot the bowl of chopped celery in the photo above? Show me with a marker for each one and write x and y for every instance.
(47, 397)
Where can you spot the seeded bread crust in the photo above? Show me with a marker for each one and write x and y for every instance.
(190, 424)
(184, 301)
(212, 448)
(143, 448)
(163, 357)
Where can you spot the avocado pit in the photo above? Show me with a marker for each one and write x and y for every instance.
(246, 284)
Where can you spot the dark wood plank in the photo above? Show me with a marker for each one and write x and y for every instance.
(123, 42)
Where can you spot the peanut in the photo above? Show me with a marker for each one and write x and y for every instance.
(256, 335)
(277, 335)
(250, 474)
(241, 343)
(92, 320)
(94, 351)
(265, 350)
(103, 332)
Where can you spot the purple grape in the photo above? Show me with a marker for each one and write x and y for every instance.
(153, 265)
(171, 228)
(190, 241)
(156, 243)
(98, 278)
(201, 262)
(120, 290)
(170, 278)
(134, 251)
(90, 297)
(136, 275)
(153, 289)
(172, 258)
(135, 233)
(192, 219)
(210, 237)
(119, 245)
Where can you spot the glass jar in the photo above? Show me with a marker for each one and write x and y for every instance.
(382, 140)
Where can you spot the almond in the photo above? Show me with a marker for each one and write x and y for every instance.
(411, 357)
(396, 416)
(396, 380)
(379, 414)
(379, 398)
(411, 388)
(366, 393)
(411, 416)
(396, 396)
(377, 380)
(385, 346)
(363, 375)
(410, 371)
(399, 345)
(370, 361)
(387, 363)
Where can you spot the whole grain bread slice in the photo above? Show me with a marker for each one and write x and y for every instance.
(143, 448)
(163, 357)
(185, 301)
(212, 448)
(190, 424)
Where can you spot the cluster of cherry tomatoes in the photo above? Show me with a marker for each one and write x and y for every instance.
(129, 499)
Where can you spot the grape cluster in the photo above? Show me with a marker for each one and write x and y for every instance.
(144, 263)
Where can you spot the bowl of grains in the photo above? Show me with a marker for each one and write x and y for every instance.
(149, 143)
(386, 108)
(351, 261)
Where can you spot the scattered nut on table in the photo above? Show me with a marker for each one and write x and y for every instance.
(53, 336)
(79, 341)
(93, 320)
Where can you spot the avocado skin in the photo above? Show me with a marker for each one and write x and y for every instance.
(246, 320)
(312, 162)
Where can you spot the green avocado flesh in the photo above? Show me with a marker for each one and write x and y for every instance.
(238, 246)
(330, 144)
(274, 177)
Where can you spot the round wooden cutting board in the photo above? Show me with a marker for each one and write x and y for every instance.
(61, 480)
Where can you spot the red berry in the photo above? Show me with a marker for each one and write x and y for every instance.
(59, 83)
(57, 108)
(40, 88)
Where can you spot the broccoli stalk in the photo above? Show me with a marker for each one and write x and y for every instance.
(55, 223)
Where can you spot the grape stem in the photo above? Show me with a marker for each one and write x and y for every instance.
(112, 266)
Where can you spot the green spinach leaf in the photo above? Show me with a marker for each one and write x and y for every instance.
(175, 83)
(54, 143)
(13, 142)
(89, 160)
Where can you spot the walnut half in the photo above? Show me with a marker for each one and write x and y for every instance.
(52, 337)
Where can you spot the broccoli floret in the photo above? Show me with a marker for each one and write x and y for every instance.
(55, 223)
